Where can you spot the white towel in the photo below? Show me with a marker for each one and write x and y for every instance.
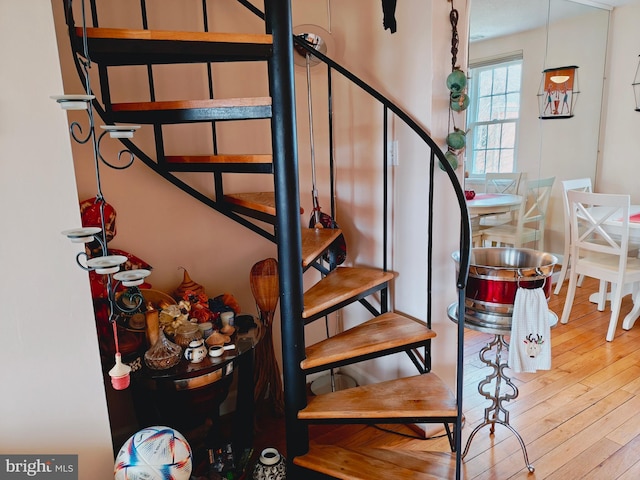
(530, 343)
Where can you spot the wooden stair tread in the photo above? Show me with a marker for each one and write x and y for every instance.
(341, 285)
(424, 398)
(191, 104)
(182, 111)
(185, 36)
(315, 241)
(120, 46)
(263, 202)
(375, 463)
(381, 334)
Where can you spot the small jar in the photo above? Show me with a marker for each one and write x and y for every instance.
(206, 328)
(186, 333)
(270, 466)
(227, 318)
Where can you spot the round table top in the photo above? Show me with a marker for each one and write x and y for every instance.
(490, 203)
(187, 375)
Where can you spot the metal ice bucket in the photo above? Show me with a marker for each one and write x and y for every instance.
(495, 274)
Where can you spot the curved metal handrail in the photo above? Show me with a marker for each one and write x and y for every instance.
(465, 227)
(465, 240)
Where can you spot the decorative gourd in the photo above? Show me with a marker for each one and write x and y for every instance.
(187, 284)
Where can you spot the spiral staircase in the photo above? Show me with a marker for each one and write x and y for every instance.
(422, 398)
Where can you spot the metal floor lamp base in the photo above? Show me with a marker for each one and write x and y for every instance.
(324, 383)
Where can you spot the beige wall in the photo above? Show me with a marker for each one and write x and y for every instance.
(619, 167)
(53, 399)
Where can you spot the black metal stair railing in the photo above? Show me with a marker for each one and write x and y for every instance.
(465, 226)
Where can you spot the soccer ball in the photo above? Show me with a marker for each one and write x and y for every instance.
(154, 453)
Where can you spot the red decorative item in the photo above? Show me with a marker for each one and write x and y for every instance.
(201, 313)
(469, 194)
(90, 214)
(229, 301)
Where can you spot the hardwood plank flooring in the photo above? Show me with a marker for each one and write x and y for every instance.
(579, 420)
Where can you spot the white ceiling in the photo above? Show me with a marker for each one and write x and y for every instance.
(495, 18)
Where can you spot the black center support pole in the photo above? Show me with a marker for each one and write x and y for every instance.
(288, 227)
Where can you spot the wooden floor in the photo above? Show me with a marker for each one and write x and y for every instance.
(579, 420)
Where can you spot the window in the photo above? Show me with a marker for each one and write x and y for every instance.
(492, 117)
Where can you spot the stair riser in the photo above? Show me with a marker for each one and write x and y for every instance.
(266, 168)
(136, 52)
(157, 117)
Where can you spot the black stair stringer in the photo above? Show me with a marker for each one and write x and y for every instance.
(219, 206)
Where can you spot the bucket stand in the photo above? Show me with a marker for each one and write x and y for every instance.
(497, 412)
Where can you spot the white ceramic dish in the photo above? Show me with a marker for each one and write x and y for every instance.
(132, 278)
(107, 264)
(217, 351)
(73, 102)
(81, 235)
(120, 131)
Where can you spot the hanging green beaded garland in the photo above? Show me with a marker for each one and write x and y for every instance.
(458, 99)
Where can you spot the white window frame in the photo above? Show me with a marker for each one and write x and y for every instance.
(474, 69)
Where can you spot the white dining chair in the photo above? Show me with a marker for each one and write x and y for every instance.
(582, 185)
(529, 220)
(598, 252)
(502, 182)
(495, 182)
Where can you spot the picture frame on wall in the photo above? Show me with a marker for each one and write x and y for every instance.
(558, 92)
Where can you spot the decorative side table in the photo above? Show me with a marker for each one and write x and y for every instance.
(497, 412)
(189, 394)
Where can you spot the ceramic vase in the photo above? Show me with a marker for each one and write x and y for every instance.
(270, 466)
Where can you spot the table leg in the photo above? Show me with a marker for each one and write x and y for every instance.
(243, 422)
(595, 297)
(497, 412)
(633, 315)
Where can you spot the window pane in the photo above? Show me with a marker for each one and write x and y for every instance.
(514, 80)
(479, 163)
(499, 80)
(480, 137)
(498, 108)
(484, 109)
(484, 83)
(508, 135)
(513, 105)
(492, 161)
(495, 134)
